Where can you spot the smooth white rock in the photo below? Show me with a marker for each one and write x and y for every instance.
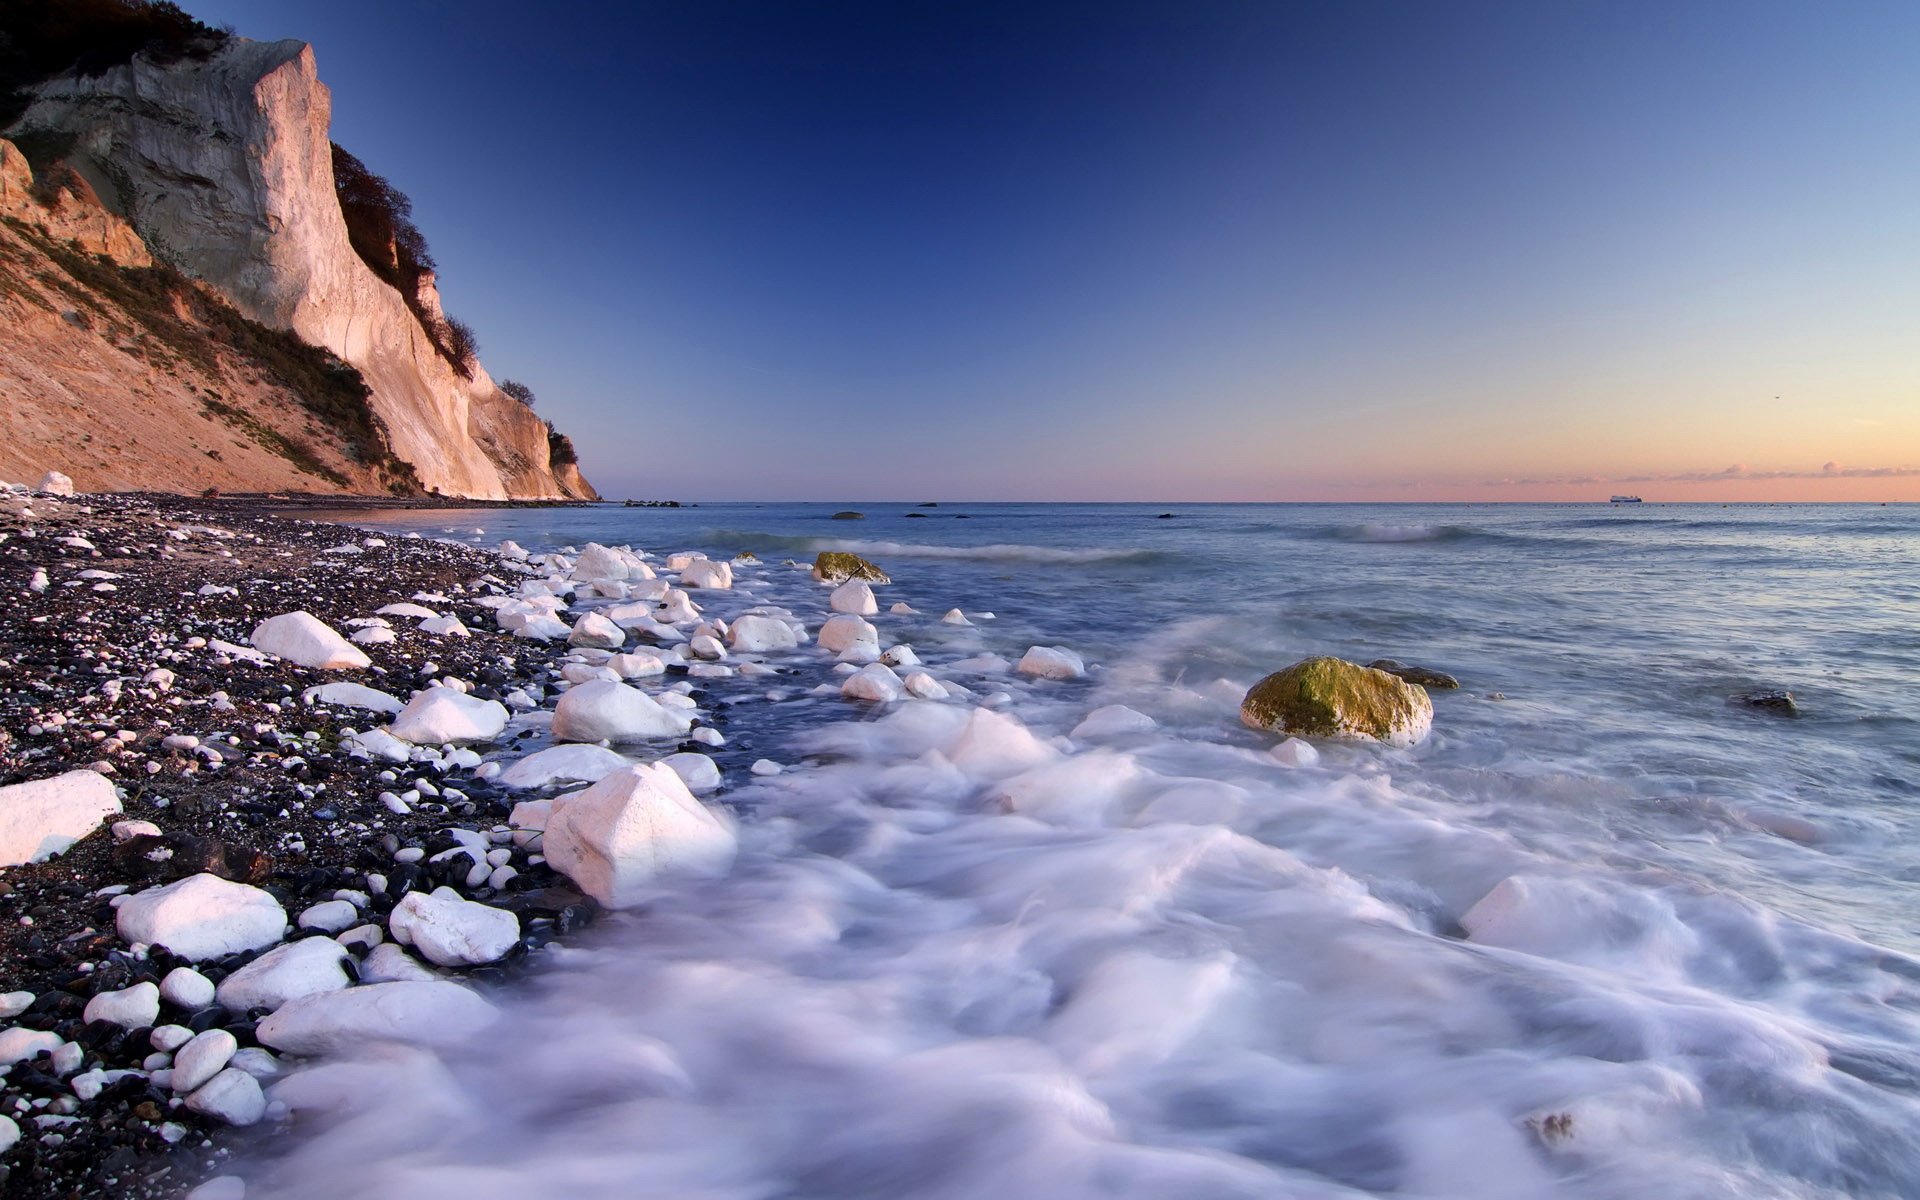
(614, 712)
(9, 1133)
(202, 917)
(129, 1008)
(204, 1056)
(616, 837)
(303, 968)
(705, 573)
(697, 771)
(352, 695)
(19, 1045)
(854, 596)
(261, 1064)
(1051, 662)
(556, 764)
(187, 988)
(600, 562)
(707, 647)
(993, 744)
(902, 608)
(765, 767)
(847, 630)
(924, 686)
(900, 656)
(305, 640)
(876, 684)
(1114, 720)
(55, 483)
(390, 963)
(445, 627)
(43, 817)
(636, 664)
(12, 1004)
(955, 617)
(220, 1187)
(453, 932)
(406, 608)
(757, 634)
(426, 1013)
(232, 1096)
(1295, 753)
(330, 915)
(373, 635)
(595, 631)
(439, 715)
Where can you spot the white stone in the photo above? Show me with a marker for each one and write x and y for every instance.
(9, 1133)
(854, 596)
(445, 627)
(557, 764)
(757, 634)
(705, 573)
(697, 771)
(261, 1064)
(53, 483)
(202, 917)
(373, 635)
(543, 629)
(924, 686)
(600, 562)
(352, 695)
(955, 617)
(1295, 753)
(19, 1045)
(330, 915)
(453, 932)
(129, 1008)
(390, 963)
(42, 818)
(187, 988)
(595, 631)
(128, 830)
(1051, 662)
(220, 1187)
(439, 715)
(637, 664)
(204, 1056)
(305, 640)
(616, 837)
(902, 608)
(707, 647)
(1114, 720)
(900, 656)
(426, 1013)
(12, 1004)
(378, 743)
(232, 1096)
(614, 712)
(876, 683)
(847, 631)
(303, 968)
(992, 745)
(765, 767)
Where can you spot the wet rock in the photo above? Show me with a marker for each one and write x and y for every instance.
(425, 1013)
(613, 839)
(1331, 698)
(613, 712)
(838, 566)
(1426, 677)
(1051, 662)
(453, 932)
(1774, 700)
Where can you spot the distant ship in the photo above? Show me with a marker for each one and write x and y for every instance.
(1626, 500)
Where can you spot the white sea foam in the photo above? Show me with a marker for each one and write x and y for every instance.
(998, 552)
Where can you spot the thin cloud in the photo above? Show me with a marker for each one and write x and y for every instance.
(1738, 471)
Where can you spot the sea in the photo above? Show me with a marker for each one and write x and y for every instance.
(1608, 933)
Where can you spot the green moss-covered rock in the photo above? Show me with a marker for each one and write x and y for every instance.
(1333, 698)
(838, 566)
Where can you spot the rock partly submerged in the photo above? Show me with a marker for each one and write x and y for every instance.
(838, 566)
(1329, 697)
(616, 837)
(1426, 677)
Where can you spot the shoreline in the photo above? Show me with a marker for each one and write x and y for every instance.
(232, 776)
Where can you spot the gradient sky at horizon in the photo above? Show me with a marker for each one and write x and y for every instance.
(1199, 251)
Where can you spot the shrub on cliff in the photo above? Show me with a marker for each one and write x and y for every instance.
(560, 450)
(519, 391)
(40, 39)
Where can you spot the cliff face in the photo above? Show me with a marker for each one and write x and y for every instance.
(223, 168)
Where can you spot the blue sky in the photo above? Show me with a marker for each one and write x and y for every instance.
(1172, 251)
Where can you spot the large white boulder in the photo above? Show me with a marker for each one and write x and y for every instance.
(845, 631)
(43, 817)
(601, 562)
(435, 1013)
(305, 640)
(439, 715)
(352, 695)
(616, 837)
(595, 632)
(706, 573)
(55, 484)
(854, 596)
(563, 764)
(604, 711)
(636, 664)
(757, 634)
(303, 968)
(450, 931)
(1051, 662)
(202, 917)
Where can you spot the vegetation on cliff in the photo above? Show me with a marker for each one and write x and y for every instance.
(40, 39)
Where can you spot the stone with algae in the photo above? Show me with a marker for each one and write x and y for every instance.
(838, 566)
(1329, 697)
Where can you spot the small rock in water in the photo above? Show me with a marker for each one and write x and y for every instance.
(613, 839)
(1051, 662)
(1424, 676)
(854, 596)
(1776, 700)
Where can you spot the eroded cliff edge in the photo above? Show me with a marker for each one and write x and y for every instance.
(222, 166)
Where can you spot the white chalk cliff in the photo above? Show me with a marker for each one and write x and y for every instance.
(224, 169)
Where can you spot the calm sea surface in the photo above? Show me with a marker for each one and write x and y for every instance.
(1166, 965)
